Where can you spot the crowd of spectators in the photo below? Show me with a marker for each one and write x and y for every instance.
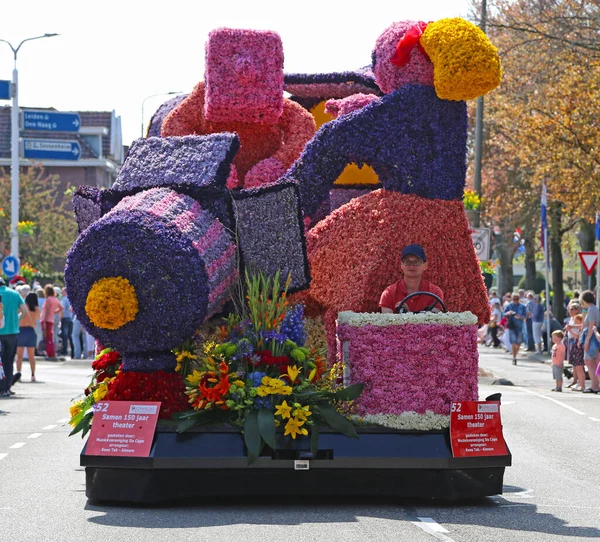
(519, 322)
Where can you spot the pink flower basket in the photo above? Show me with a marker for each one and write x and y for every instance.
(409, 366)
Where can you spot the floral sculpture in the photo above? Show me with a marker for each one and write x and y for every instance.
(415, 140)
(242, 92)
(160, 251)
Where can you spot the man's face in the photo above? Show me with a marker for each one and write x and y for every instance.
(515, 299)
(413, 267)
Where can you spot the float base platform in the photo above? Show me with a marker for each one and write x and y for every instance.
(212, 462)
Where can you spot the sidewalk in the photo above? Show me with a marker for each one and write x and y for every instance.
(64, 360)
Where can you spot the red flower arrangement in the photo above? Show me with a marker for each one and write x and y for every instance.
(106, 360)
(267, 358)
(211, 388)
(355, 254)
(168, 388)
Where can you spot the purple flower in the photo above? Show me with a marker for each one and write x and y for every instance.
(292, 326)
(415, 142)
(161, 113)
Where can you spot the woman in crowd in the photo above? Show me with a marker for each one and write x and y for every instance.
(537, 321)
(27, 337)
(41, 346)
(495, 323)
(51, 307)
(574, 328)
(590, 341)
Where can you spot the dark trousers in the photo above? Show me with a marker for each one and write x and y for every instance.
(530, 343)
(9, 351)
(494, 334)
(66, 334)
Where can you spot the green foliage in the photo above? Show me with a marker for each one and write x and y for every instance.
(540, 283)
(42, 201)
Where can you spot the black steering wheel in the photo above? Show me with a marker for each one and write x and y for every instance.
(402, 308)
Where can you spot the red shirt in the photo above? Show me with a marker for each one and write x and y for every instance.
(395, 293)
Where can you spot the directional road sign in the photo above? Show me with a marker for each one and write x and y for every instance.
(51, 121)
(5, 90)
(51, 149)
(589, 261)
(10, 266)
(481, 242)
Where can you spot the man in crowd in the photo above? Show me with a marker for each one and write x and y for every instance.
(13, 305)
(414, 264)
(515, 312)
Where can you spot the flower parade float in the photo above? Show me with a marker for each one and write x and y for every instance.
(194, 231)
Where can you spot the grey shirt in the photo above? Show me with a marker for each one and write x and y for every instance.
(593, 315)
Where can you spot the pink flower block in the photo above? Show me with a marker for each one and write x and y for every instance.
(389, 77)
(243, 76)
(411, 367)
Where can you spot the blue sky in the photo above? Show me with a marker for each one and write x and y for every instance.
(111, 55)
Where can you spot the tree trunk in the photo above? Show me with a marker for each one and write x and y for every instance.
(505, 255)
(587, 238)
(555, 242)
(530, 244)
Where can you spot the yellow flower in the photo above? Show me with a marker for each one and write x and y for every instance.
(111, 303)
(194, 378)
(293, 372)
(263, 391)
(283, 410)
(465, 63)
(302, 413)
(239, 383)
(100, 392)
(75, 409)
(294, 427)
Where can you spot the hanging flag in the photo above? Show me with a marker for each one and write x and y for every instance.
(597, 226)
(544, 215)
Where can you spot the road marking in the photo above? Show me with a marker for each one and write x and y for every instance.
(430, 526)
(48, 427)
(17, 445)
(594, 419)
(568, 407)
(64, 420)
(34, 435)
(2, 456)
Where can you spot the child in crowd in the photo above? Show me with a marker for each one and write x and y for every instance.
(559, 352)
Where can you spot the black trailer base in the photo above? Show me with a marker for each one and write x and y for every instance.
(212, 462)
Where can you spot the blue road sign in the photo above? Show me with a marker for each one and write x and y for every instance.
(51, 121)
(5, 90)
(51, 149)
(10, 266)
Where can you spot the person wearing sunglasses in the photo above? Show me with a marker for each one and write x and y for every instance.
(414, 265)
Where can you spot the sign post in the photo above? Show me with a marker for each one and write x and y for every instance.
(589, 261)
(481, 242)
(51, 121)
(123, 428)
(5, 93)
(51, 149)
(476, 429)
(10, 266)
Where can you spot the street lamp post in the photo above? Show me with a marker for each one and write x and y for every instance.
(154, 96)
(14, 148)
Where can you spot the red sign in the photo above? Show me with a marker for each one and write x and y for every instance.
(123, 428)
(476, 429)
(589, 261)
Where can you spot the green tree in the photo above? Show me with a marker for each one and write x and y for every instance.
(42, 201)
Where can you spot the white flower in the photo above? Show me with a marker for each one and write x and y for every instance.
(360, 319)
(411, 421)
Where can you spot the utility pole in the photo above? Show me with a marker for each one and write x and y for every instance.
(479, 128)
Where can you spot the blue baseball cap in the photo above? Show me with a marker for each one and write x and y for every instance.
(414, 250)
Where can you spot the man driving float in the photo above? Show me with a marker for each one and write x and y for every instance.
(414, 264)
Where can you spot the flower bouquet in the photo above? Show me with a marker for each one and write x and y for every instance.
(106, 367)
(471, 200)
(259, 377)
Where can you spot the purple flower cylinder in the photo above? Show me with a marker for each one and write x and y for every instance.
(179, 260)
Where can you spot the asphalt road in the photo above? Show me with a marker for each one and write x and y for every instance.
(552, 491)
